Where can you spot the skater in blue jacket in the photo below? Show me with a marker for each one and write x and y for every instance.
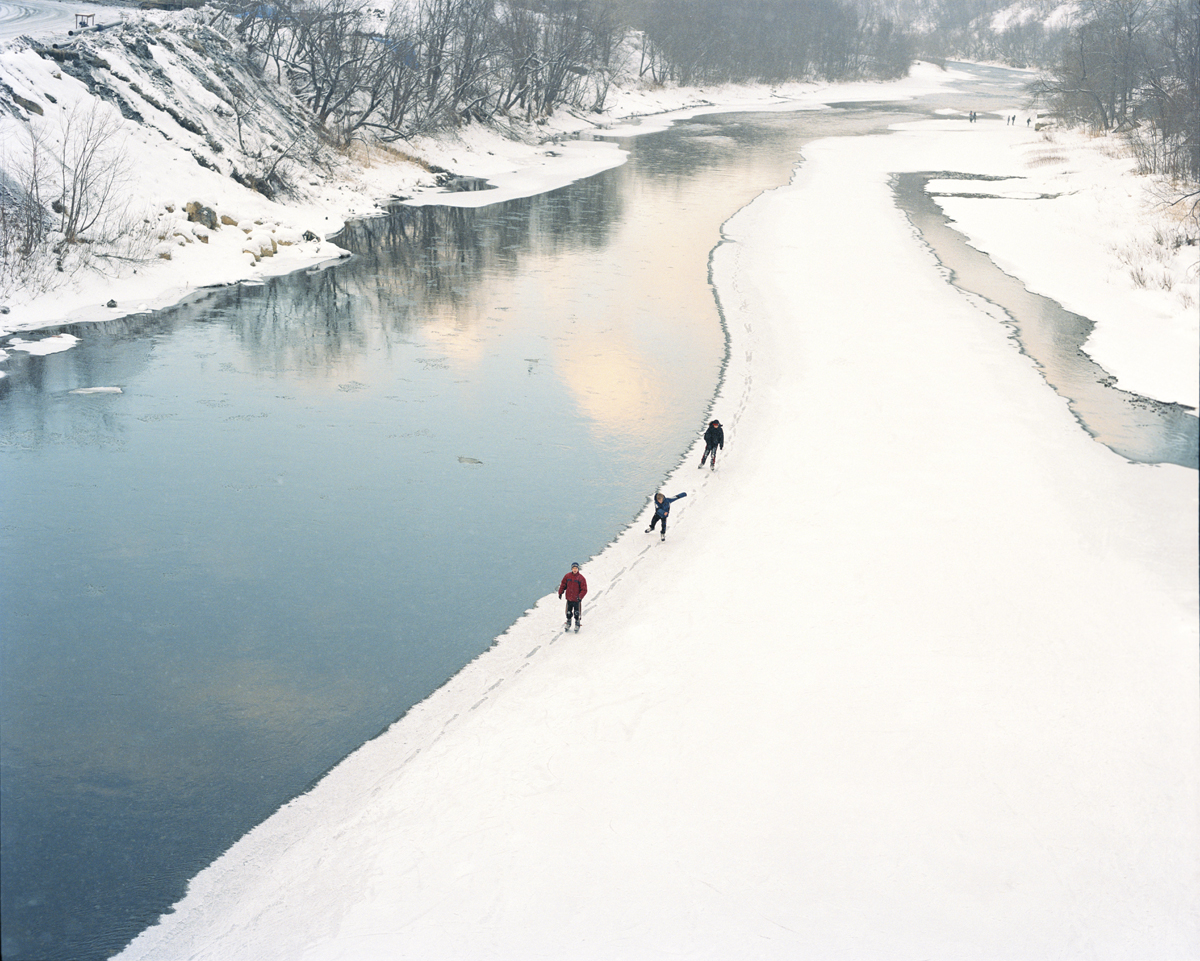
(662, 507)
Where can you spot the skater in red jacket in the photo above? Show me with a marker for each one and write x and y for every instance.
(574, 585)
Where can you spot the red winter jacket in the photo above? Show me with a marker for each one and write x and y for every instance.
(574, 585)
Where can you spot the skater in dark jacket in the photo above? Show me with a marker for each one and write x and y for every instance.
(714, 437)
(574, 585)
(662, 507)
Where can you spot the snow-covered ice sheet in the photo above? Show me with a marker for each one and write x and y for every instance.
(914, 674)
(43, 345)
(1113, 255)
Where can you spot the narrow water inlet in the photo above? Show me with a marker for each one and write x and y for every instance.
(1140, 429)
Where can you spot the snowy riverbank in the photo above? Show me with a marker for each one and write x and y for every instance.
(914, 674)
(254, 237)
(1142, 292)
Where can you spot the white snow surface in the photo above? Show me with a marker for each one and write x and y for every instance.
(914, 674)
(43, 345)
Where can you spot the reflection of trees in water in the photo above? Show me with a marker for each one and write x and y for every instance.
(109, 354)
(674, 158)
(411, 266)
(442, 253)
(303, 322)
(42, 419)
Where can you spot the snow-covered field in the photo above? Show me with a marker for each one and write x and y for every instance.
(913, 676)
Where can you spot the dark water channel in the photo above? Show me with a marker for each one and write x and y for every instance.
(315, 499)
(1139, 428)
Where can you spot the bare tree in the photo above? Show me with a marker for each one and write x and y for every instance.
(268, 30)
(24, 217)
(402, 83)
(1168, 141)
(64, 199)
(334, 57)
(547, 55)
(695, 41)
(1134, 66)
(1102, 63)
(91, 169)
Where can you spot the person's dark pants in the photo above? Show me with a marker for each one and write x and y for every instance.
(707, 451)
(657, 518)
(574, 608)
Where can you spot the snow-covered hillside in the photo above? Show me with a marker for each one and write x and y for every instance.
(195, 126)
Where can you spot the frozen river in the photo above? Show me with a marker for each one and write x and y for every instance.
(314, 500)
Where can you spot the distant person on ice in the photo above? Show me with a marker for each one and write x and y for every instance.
(714, 437)
(574, 585)
(662, 507)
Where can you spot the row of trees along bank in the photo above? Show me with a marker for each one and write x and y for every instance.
(423, 65)
(1134, 66)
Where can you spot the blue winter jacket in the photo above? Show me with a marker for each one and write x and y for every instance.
(663, 509)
